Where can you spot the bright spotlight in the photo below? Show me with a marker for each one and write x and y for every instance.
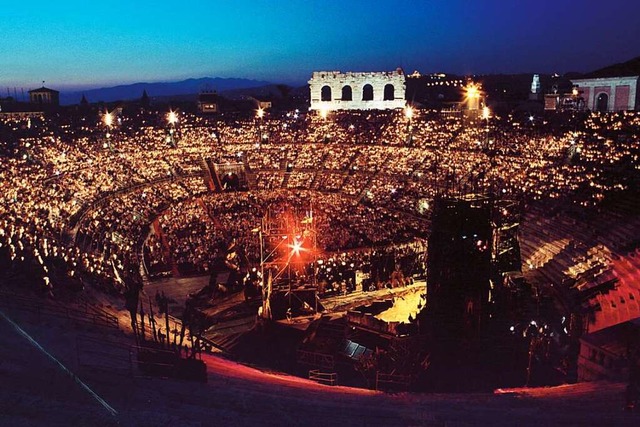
(108, 119)
(472, 90)
(408, 113)
(472, 93)
(260, 113)
(172, 117)
(486, 113)
(296, 247)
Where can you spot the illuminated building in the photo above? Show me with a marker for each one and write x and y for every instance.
(334, 90)
(613, 88)
(208, 102)
(44, 97)
(535, 87)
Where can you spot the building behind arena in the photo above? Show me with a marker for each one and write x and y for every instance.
(334, 90)
(612, 88)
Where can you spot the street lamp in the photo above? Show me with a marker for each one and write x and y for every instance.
(472, 95)
(108, 119)
(108, 122)
(324, 111)
(408, 113)
(260, 114)
(172, 119)
(486, 114)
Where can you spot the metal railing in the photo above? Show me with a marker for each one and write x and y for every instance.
(326, 378)
(392, 382)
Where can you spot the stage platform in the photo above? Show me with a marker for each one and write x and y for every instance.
(230, 316)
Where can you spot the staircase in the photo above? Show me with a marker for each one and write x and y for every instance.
(206, 173)
(285, 180)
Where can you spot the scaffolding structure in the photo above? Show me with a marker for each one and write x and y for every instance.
(505, 220)
(288, 254)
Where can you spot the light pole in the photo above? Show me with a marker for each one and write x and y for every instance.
(324, 111)
(108, 122)
(574, 95)
(486, 114)
(172, 118)
(472, 96)
(260, 115)
(408, 113)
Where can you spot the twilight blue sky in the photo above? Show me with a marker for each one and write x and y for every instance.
(88, 43)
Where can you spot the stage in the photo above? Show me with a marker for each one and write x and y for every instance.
(229, 316)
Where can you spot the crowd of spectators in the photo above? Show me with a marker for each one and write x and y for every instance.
(79, 198)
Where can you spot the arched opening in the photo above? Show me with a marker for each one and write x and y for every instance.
(602, 102)
(230, 182)
(389, 92)
(367, 93)
(347, 93)
(325, 93)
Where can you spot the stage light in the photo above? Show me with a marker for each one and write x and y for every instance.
(260, 113)
(408, 113)
(472, 90)
(108, 119)
(323, 112)
(486, 113)
(172, 117)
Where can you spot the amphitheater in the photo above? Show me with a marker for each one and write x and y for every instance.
(79, 209)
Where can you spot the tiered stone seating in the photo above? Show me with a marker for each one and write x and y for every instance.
(547, 249)
(600, 261)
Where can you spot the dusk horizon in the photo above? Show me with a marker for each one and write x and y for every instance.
(75, 46)
(74, 87)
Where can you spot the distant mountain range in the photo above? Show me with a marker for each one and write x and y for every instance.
(161, 89)
(517, 85)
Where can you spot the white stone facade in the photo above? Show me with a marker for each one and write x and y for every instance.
(535, 84)
(334, 90)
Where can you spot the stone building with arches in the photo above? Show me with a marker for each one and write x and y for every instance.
(614, 88)
(334, 90)
(609, 94)
(44, 97)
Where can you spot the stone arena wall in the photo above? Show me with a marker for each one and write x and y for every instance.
(330, 90)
